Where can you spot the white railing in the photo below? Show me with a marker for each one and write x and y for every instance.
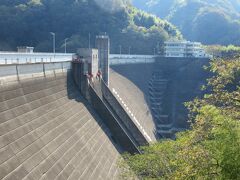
(15, 72)
(23, 58)
(130, 59)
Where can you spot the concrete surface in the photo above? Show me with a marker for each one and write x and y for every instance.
(155, 93)
(131, 84)
(47, 131)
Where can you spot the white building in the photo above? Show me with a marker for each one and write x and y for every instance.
(184, 49)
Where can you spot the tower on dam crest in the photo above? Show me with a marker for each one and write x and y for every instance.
(103, 46)
(91, 58)
(88, 66)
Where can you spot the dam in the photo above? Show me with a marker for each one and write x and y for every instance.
(157, 91)
(49, 131)
(55, 125)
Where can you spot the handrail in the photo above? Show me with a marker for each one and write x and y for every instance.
(14, 72)
(29, 63)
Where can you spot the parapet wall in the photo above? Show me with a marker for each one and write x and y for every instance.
(15, 72)
(23, 58)
(116, 59)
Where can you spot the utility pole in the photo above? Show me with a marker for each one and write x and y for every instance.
(154, 51)
(54, 42)
(65, 45)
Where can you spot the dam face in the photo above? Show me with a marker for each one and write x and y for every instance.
(160, 88)
(48, 131)
(130, 81)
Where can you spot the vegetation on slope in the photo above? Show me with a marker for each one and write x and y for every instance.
(229, 51)
(210, 22)
(29, 22)
(210, 150)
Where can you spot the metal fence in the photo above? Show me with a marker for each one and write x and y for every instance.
(16, 72)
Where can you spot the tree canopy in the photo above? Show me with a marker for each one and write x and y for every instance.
(211, 148)
(207, 21)
(229, 51)
(30, 22)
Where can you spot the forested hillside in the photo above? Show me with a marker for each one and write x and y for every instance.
(29, 22)
(210, 149)
(208, 21)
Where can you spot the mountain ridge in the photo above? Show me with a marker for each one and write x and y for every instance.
(29, 23)
(208, 21)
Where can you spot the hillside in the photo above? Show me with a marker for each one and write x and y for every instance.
(29, 22)
(208, 21)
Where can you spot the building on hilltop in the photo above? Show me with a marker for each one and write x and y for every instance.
(184, 49)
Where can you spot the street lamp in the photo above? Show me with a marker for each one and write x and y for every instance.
(65, 44)
(89, 40)
(129, 50)
(54, 43)
(120, 49)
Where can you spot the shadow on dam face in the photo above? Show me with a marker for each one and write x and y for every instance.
(49, 131)
(77, 96)
(161, 88)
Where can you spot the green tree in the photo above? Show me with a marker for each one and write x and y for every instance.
(29, 22)
(211, 148)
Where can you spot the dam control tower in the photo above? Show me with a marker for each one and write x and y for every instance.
(103, 46)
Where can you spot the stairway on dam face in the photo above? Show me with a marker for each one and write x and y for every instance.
(157, 90)
(134, 82)
(47, 131)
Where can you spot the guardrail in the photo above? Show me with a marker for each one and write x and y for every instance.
(116, 59)
(16, 72)
(114, 56)
(23, 58)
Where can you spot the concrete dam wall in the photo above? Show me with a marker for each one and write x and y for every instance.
(156, 92)
(130, 83)
(48, 131)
